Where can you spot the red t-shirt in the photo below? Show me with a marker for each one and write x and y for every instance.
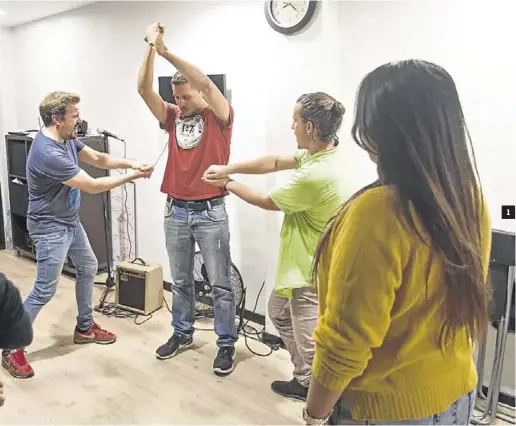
(195, 143)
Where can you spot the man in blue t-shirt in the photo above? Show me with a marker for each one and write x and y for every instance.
(55, 181)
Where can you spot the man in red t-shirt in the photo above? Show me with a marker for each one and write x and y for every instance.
(200, 129)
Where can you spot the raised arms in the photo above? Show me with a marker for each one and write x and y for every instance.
(153, 100)
(194, 75)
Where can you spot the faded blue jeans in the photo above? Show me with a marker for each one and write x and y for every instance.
(459, 413)
(52, 250)
(210, 229)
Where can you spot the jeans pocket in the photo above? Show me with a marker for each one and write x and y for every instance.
(168, 208)
(51, 237)
(216, 214)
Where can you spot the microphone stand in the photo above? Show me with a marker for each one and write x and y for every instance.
(110, 283)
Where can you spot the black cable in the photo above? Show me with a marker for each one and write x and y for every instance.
(125, 198)
(249, 332)
(124, 189)
(127, 220)
(254, 334)
(110, 309)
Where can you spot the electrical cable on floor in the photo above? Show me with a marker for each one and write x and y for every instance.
(111, 309)
(255, 334)
(244, 329)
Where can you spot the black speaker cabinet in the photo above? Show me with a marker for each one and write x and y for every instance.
(503, 253)
(96, 224)
(2, 230)
(139, 287)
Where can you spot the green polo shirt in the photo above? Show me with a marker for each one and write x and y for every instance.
(313, 194)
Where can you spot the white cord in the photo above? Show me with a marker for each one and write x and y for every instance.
(154, 165)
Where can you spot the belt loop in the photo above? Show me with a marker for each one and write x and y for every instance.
(209, 205)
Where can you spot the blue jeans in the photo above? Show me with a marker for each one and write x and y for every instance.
(52, 250)
(459, 413)
(210, 229)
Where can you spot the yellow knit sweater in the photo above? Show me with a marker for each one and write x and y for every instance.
(380, 291)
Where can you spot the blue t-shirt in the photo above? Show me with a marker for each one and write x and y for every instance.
(52, 204)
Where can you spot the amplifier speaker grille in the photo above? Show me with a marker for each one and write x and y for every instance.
(139, 288)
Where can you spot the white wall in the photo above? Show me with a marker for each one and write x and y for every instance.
(97, 51)
(7, 116)
(473, 41)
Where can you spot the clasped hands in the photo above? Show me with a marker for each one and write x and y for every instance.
(216, 175)
(155, 33)
(141, 170)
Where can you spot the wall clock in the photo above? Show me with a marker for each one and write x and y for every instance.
(289, 17)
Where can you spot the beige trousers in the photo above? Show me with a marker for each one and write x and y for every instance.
(296, 319)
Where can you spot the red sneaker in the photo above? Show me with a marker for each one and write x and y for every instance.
(94, 334)
(16, 364)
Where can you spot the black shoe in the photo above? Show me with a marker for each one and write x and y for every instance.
(225, 361)
(292, 389)
(174, 344)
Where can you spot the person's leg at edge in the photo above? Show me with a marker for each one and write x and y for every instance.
(304, 310)
(86, 265)
(212, 234)
(285, 314)
(180, 248)
(51, 252)
(458, 413)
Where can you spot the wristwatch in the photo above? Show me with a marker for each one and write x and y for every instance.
(226, 184)
(313, 421)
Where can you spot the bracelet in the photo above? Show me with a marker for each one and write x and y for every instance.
(226, 184)
(313, 421)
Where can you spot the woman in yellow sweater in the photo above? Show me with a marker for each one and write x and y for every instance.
(401, 271)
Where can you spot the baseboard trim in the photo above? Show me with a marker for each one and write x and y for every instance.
(248, 315)
(502, 397)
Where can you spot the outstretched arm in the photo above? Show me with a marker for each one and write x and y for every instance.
(61, 168)
(86, 183)
(108, 162)
(258, 166)
(299, 194)
(251, 195)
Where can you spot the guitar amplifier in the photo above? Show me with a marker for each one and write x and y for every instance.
(139, 287)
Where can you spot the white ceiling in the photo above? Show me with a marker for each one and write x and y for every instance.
(21, 12)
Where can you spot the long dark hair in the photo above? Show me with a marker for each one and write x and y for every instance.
(409, 114)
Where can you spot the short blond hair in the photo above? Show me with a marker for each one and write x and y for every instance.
(55, 103)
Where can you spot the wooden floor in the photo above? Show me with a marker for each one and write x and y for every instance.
(124, 383)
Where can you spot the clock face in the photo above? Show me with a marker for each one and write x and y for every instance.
(288, 13)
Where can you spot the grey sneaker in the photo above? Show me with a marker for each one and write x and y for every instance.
(175, 343)
(224, 361)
